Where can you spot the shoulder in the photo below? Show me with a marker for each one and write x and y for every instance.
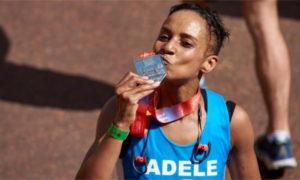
(242, 162)
(241, 128)
(106, 117)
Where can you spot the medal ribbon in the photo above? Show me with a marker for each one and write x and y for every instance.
(148, 103)
(174, 112)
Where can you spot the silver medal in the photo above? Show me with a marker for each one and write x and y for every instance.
(152, 67)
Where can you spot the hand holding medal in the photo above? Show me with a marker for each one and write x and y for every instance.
(132, 88)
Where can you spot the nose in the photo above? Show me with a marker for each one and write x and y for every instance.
(170, 47)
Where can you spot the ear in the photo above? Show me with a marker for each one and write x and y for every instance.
(209, 64)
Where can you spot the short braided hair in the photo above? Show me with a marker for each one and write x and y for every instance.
(213, 20)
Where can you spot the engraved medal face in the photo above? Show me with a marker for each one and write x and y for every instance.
(152, 67)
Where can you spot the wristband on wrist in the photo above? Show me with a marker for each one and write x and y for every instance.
(117, 133)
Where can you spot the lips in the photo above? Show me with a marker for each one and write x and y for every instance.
(165, 60)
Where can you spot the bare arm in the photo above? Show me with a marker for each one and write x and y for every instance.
(93, 163)
(101, 158)
(242, 162)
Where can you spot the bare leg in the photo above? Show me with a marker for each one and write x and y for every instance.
(272, 60)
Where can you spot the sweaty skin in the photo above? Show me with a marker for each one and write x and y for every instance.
(185, 46)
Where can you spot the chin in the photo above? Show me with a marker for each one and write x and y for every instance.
(174, 80)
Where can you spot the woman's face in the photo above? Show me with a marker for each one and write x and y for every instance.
(183, 42)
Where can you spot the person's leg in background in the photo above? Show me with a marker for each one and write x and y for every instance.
(274, 75)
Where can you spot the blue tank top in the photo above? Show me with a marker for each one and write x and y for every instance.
(168, 160)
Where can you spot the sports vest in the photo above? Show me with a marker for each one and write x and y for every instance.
(168, 160)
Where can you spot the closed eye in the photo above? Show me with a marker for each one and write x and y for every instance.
(164, 38)
(186, 44)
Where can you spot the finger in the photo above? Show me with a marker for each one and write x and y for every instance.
(133, 99)
(145, 87)
(134, 81)
(138, 91)
(143, 94)
(131, 84)
(128, 76)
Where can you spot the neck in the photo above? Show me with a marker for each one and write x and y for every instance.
(172, 94)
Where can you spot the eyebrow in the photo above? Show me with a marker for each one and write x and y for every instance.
(184, 35)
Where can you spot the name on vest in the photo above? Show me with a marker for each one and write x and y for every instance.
(182, 168)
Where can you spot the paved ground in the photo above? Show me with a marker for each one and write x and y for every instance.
(60, 60)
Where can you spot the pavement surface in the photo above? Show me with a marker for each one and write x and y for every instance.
(60, 60)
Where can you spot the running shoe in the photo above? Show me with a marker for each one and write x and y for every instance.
(275, 155)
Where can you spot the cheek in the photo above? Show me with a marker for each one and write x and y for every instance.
(188, 56)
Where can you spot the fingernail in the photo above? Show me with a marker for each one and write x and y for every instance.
(145, 77)
(156, 84)
(150, 81)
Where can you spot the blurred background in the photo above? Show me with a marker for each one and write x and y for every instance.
(60, 60)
